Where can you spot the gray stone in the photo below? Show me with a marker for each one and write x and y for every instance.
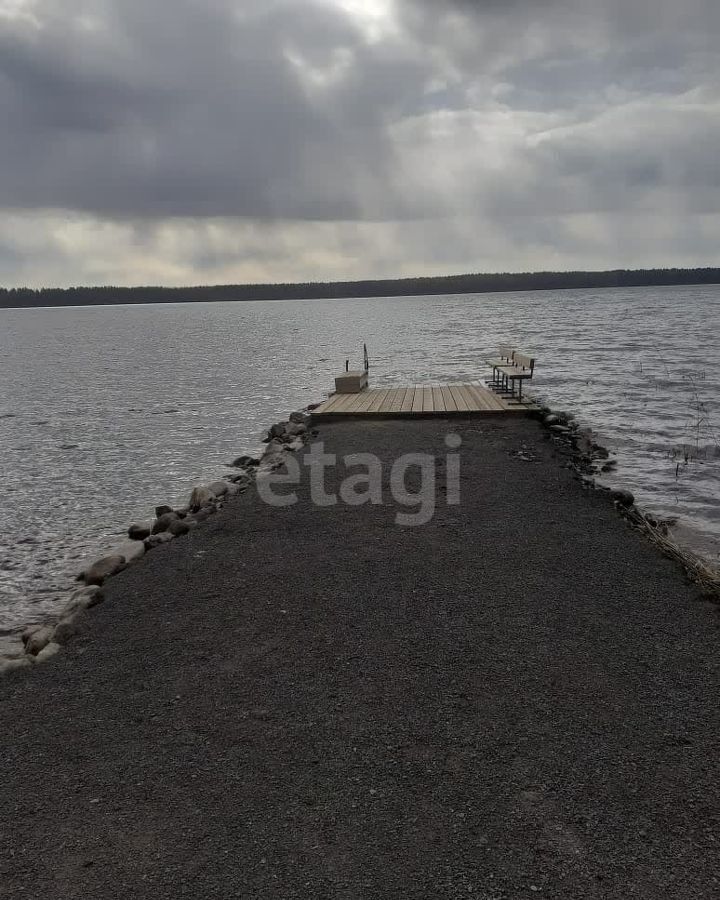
(202, 514)
(277, 430)
(552, 419)
(47, 652)
(245, 462)
(25, 634)
(39, 639)
(103, 568)
(131, 551)
(271, 462)
(67, 628)
(156, 539)
(178, 527)
(622, 498)
(240, 478)
(162, 510)
(201, 496)
(140, 530)
(162, 524)
(294, 429)
(12, 665)
(560, 429)
(276, 446)
(295, 445)
(85, 598)
(219, 488)
(11, 647)
(300, 418)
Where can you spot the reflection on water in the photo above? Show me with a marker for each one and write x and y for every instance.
(106, 411)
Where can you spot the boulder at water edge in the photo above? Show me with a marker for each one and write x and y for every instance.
(156, 539)
(103, 568)
(201, 496)
(140, 530)
(164, 521)
(38, 639)
(131, 551)
(300, 418)
(85, 598)
(178, 527)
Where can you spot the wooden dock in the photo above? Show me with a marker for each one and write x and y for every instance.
(467, 399)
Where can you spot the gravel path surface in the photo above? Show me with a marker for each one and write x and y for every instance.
(519, 698)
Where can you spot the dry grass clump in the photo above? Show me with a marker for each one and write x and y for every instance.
(705, 576)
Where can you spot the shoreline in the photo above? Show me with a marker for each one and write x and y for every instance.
(422, 286)
(316, 702)
(41, 641)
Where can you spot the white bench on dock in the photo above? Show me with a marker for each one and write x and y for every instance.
(503, 358)
(519, 369)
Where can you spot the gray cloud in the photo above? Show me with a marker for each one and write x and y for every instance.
(200, 112)
(190, 134)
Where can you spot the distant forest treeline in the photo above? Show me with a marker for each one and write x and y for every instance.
(448, 284)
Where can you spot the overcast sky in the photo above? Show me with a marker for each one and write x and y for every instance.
(206, 141)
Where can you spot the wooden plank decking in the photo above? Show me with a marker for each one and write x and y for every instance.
(468, 399)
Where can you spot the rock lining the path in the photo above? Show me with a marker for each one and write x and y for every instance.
(40, 642)
(140, 530)
(586, 459)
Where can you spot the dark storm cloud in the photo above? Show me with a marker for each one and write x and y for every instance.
(408, 134)
(203, 112)
(284, 109)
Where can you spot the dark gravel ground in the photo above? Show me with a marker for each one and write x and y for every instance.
(518, 698)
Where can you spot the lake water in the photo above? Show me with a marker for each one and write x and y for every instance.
(107, 411)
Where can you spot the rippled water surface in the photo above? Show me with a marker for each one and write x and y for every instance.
(106, 411)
